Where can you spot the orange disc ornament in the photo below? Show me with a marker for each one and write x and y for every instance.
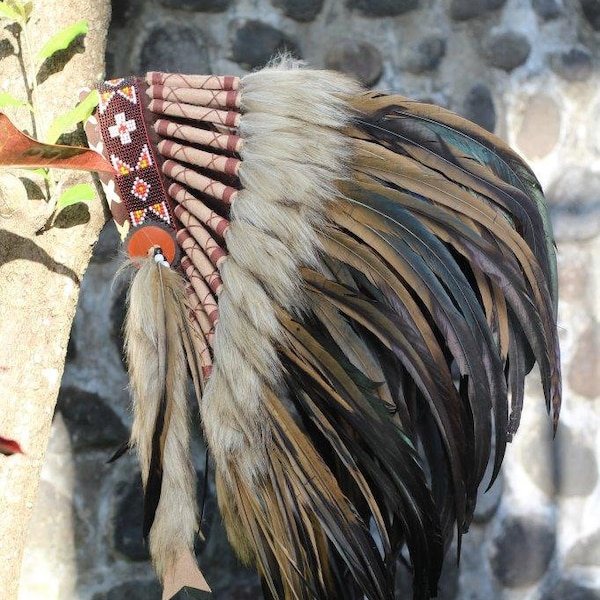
(145, 237)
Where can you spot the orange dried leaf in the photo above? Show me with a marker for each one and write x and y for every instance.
(20, 150)
(8, 447)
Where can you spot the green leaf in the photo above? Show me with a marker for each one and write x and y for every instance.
(7, 99)
(45, 173)
(7, 12)
(82, 192)
(22, 10)
(26, 10)
(62, 40)
(76, 115)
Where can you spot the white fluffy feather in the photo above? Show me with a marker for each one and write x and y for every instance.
(293, 155)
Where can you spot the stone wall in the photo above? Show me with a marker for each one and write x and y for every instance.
(526, 69)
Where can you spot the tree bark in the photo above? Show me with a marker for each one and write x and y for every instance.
(40, 269)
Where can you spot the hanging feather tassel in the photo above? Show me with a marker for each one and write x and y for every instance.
(154, 334)
(358, 284)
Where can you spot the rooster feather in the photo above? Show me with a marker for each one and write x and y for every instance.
(369, 280)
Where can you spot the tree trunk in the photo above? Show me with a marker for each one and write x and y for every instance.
(40, 268)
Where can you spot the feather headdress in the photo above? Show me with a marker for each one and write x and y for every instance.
(358, 284)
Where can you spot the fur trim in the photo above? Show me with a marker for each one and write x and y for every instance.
(293, 155)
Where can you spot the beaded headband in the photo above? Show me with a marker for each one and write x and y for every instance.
(171, 140)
